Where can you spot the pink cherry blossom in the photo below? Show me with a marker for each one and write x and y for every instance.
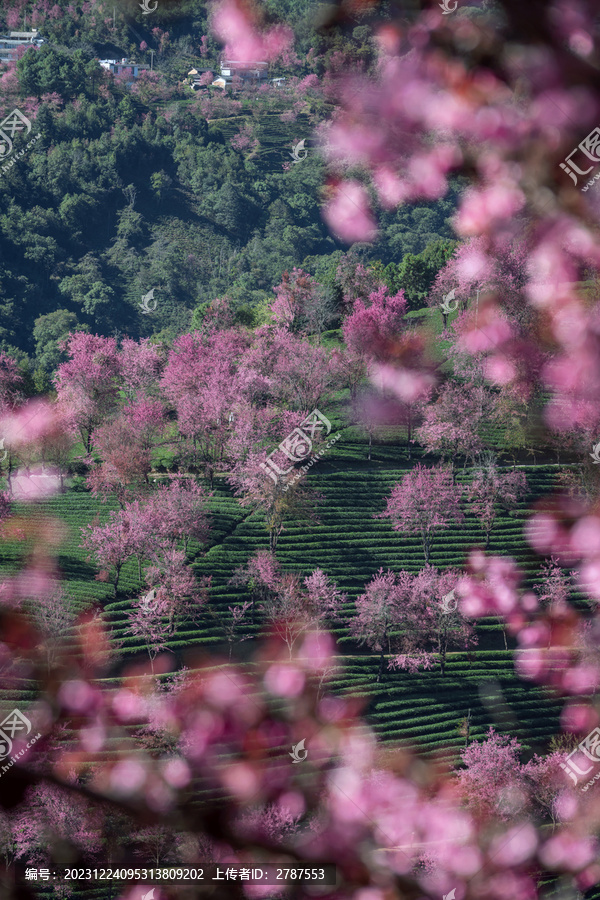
(348, 213)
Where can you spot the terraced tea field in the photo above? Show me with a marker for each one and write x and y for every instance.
(425, 710)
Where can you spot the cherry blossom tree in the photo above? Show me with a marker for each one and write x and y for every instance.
(56, 812)
(470, 273)
(425, 502)
(158, 843)
(150, 621)
(299, 375)
(125, 446)
(555, 587)
(261, 575)
(405, 613)
(430, 623)
(492, 781)
(453, 421)
(53, 615)
(351, 369)
(11, 383)
(88, 381)
(276, 500)
(178, 512)
(56, 447)
(301, 305)
(172, 580)
(233, 627)
(355, 280)
(200, 380)
(8, 842)
(111, 544)
(543, 773)
(291, 604)
(28, 431)
(374, 321)
(275, 822)
(491, 489)
(378, 612)
(140, 368)
(217, 315)
(298, 606)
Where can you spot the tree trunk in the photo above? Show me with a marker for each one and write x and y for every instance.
(370, 444)
(273, 538)
(378, 679)
(503, 632)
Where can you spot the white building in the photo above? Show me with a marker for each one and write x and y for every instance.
(254, 71)
(11, 43)
(118, 67)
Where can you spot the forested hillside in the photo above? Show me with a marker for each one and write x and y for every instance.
(154, 187)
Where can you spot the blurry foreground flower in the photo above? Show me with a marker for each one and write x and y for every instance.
(36, 483)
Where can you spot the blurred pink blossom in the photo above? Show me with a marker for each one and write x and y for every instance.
(36, 483)
(348, 213)
(233, 23)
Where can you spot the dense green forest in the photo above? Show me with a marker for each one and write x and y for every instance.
(150, 186)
